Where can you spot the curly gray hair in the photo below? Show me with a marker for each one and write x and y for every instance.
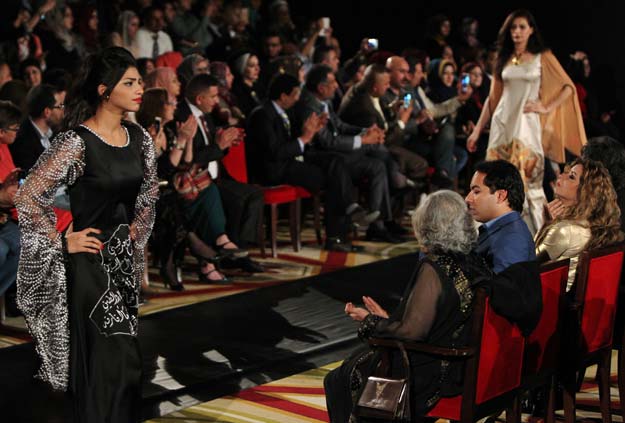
(442, 223)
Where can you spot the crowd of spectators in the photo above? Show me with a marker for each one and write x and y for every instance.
(220, 72)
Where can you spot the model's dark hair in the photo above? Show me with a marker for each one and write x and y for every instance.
(10, 114)
(282, 84)
(39, 98)
(103, 68)
(198, 84)
(318, 74)
(611, 154)
(153, 104)
(500, 174)
(505, 46)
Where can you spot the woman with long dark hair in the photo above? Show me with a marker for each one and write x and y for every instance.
(532, 109)
(79, 290)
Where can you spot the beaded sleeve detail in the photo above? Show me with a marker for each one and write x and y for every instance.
(41, 278)
(145, 211)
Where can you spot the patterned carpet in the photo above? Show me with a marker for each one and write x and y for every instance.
(289, 266)
(300, 398)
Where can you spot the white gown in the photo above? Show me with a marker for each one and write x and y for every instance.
(517, 137)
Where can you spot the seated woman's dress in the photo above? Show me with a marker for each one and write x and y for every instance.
(564, 239)
(436, 309)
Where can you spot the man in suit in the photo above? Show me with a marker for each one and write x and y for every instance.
(496, 200)
(360, 147)
(276, 154)
(242, 202)
(361, 106)
(46, 109)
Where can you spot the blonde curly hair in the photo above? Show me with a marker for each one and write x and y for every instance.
(596, 208)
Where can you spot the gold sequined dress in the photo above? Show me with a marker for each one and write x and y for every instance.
(82, 308)
(517, 137)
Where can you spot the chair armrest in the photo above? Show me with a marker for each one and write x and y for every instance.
(424, 348)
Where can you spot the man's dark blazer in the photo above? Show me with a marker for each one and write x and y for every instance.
(27, 147)
(202, 153)
(506, 242)
(335, 136)
(357, 109)
(269, 146)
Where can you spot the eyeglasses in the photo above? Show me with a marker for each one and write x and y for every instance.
(14, 129)
(170, 103)
(59, 106)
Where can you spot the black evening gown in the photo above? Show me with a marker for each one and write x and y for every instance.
(105, 361)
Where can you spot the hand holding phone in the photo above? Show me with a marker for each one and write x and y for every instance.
(373, 43)
(407, 100)
(465, 82)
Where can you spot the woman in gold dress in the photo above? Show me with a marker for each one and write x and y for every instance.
(532, 109)
(585, 215)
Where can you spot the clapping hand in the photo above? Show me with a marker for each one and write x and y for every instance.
(187, 129)
(374, 308)
(311, 126)
(356, 313)
(8, 189)
(228, 137)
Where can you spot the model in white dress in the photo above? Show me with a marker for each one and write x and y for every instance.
(516, 136)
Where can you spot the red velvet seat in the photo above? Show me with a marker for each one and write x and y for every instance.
(235, 164)
(542, 347)
(494, 360)
(590, 325)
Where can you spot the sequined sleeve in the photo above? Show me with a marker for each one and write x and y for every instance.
(145, 204)
(41, 282)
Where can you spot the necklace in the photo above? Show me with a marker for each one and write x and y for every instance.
(516, 58)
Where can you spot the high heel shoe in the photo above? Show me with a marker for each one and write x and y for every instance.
(203, 278)
(231, 252)
(170, 274)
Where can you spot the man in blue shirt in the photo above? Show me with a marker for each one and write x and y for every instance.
(496, 200)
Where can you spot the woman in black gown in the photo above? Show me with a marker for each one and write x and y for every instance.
(435, 309)
(79, 290)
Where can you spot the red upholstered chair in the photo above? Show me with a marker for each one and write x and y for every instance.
(542, 347)
(590, 325)
(493, 358)
(235, 164)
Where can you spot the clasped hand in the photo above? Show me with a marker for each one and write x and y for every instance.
(358, 313)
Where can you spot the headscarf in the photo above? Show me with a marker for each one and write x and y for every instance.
(239, 64)
(219, 70)
(185, 69)
(55, 22)
(440, 92)
(122, 26)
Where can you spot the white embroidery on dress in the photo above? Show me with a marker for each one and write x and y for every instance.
(115, 313)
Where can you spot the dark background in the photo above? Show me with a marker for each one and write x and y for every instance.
(596, 27)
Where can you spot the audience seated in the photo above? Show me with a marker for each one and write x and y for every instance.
(46, 106)
(65, 49)
(190, 29)
(362, 148)
(126, 32)
(10, 117)
(278, 154)
(15, 91)
(434, 309)
(30, 72)
(151, 41)
(469, 112)
(436, 36)
(361, 106)
(431, 132)
(585, 215)
(164, 77)
(5, 73)
(191, 65)
(226, 112)
(246, 88)
(242, 203)
(496, 200)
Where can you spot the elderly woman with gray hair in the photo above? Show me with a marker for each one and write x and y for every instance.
(436, 308)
